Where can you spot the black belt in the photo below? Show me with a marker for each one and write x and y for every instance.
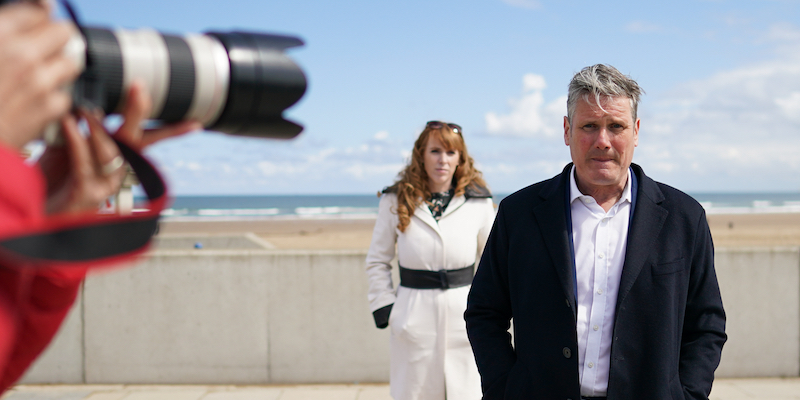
(443, 279)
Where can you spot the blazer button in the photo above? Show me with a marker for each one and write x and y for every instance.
(567, 352)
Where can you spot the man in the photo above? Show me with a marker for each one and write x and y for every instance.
(608, 275)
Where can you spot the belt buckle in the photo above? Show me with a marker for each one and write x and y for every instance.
(443, 279)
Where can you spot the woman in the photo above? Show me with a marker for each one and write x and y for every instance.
(438, 214)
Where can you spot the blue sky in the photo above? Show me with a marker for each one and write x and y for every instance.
(721, 113)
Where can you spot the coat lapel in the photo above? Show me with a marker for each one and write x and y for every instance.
(648, 219)
(551, 216)
(424, 214)
(455, 203)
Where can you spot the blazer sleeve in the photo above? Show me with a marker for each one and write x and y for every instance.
(381, 293)
(704, 322)
(488, 313)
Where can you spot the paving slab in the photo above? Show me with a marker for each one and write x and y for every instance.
(245, 394)
(724, 389)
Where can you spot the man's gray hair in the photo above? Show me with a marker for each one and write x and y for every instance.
(602, 80)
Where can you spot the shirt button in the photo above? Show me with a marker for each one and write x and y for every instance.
(591, 365)
(599, 291)
(596, 327)
(587, 200)
(601, 256)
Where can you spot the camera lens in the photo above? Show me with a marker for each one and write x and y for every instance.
(233, 82)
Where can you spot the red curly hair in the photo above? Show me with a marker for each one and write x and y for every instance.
(411, 186)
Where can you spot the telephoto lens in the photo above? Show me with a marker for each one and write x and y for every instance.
(233, 82)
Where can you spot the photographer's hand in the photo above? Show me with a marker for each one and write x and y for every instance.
(86, 171)
(83, 172)
(137, 108)
(33, 69)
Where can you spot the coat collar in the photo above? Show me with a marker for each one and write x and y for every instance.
(424, 213)
(645, 226)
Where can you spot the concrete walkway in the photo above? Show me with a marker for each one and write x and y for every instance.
(724, 389)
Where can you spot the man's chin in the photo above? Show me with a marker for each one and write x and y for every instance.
(607, 177)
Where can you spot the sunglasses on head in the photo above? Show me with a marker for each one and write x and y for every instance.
(439, 124)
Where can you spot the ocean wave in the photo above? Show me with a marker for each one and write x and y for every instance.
(270, 213)
(757, 207)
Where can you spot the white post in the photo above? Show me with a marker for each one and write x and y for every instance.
(124, 198)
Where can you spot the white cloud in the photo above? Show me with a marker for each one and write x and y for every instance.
(735, 130)
(529, 4)
(381, 136)
(790, 106)
(211, 163)
(784, 32)
(642, 27)
(529, 115)
(361, 171)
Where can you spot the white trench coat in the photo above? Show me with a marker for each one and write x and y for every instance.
(430, 354)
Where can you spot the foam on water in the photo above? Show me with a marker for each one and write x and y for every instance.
(366, 206)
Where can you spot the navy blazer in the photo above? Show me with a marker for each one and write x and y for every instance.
(669, 326)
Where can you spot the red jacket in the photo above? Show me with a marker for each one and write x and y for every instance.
(43, 259)
(33, 302)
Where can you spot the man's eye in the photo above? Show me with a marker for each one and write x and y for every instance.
(589, 126)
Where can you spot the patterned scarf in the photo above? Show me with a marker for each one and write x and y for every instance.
(438, 202)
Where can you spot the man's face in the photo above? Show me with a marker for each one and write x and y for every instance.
(601, 142)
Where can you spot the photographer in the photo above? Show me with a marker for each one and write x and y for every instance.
(69, 180)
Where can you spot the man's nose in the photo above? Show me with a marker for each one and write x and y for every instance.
(603, 140)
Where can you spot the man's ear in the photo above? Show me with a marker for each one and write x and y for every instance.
(566, 131)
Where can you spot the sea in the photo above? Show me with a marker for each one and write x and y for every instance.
(198, 208)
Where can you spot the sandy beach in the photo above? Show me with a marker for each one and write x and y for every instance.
(318, 234)
(736, 230)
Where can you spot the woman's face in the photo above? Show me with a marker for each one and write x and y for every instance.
(440, 164)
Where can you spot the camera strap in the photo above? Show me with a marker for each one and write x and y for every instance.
(90, 239)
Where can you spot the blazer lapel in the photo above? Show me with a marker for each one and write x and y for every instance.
(648, 220)
(551, 216)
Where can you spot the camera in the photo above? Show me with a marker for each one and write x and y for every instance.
(233, 82)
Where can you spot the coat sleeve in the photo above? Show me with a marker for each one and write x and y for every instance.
(486, 227)
(704, 322)
(50, 296)
(381, 293)
(488, 313)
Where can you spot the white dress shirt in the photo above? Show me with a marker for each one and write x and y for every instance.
(600, 239)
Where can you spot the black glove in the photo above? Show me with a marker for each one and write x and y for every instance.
(381, 316)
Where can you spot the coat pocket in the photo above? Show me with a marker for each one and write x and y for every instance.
(518, 382)
(676, 388)
(670, 267)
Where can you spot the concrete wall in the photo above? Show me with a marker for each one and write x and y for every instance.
(761, 294)
(269, 316)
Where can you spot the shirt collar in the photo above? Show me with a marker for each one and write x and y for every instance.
(575, 193)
